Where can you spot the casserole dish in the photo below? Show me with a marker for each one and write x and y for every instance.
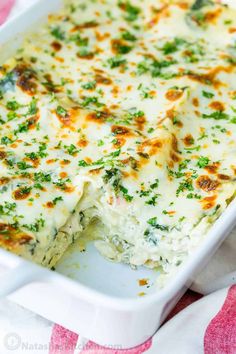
(118, 317)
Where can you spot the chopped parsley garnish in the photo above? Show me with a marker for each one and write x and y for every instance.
(36, 226)
(233, 120)
(13, 105)
(132, 11)
(153, 223)
(58, 33)
(100, 143)
(62, 112)
(57, 199)
(22, 128)
(61, 183)
(89, 85)
(7, 208)
(115, 153)
(194, 148)
(150, 130)
(186, 185)
(128, 36)
(22, 165)
(193, 196)
(83, 163)
(152, 200)
(156, 67)
(110, 174)
(150, 193)
(113, 177)
(208, 94)
(42, 177)
(71, 149)
(173, 46)
(122, 48)
(136, 114)
(116, 62)
(42, 149)
(5, 140)
(184, 164)
(39, 154)
(79, 41)
(91, 100)
(85, 52)
(125, 193)
(11, 115)
(155, 184)
(217, 115)
(203, 162)
(198, 4)
(32, 110)
(176, 174)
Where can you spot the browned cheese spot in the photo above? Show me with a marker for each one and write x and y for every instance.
(212, 16)
(56, 46)
(11, 237)
(26, 77)
(86, 56)
(205, 183)
(121, 130)
(208, 202)
(82, 143)
(21, 193)
(4, 180)
(195, 102)
(95, 171)
(212, 169)
(149, 147)
(89, 24)
(100, 79)
(3, 155)
(158, 14)
(218, 106)
(188, 140)
(223, 177)
(211, 77)
(174, 95)
(50, 205)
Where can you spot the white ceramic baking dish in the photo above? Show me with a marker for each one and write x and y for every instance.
(87, 294)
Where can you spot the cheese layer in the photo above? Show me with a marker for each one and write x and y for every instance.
(121, 115)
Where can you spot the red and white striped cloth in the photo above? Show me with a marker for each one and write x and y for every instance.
(207, 326)
(198, 325)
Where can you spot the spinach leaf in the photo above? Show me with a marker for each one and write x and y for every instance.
(8, 82)
(198, 4)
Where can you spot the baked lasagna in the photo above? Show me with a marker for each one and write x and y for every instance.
(118, 124)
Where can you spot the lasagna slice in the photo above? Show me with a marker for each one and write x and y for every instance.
(118, 124)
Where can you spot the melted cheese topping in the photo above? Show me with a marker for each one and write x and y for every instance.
(122, 114)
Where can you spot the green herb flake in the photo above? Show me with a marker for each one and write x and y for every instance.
(128, 36)
(218, 115)
(62, 112)
(116, 62)
(13, 105)
(208, 94)
(203, 162)
(58, 33)
(57, 200)
(89, 85)
(83, 163)
(153, 223)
